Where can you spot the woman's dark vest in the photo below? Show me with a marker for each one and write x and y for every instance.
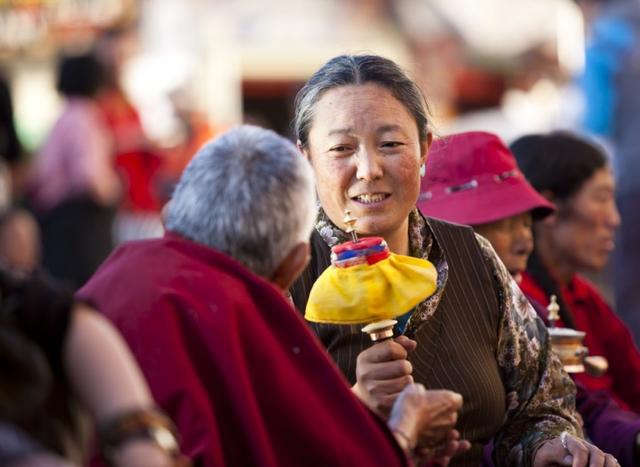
(457, 346)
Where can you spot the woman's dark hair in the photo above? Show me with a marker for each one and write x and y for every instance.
(80, 75)
(558, 163)
(358, 69)
(33, 391)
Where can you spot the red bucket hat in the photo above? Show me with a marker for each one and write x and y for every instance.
(472, 178)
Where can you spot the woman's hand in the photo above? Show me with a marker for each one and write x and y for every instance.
(426, 418)
(450, 448)
(382, 372)
(568, 450)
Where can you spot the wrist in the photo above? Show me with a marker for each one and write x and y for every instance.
(146, 425)
(403, 440)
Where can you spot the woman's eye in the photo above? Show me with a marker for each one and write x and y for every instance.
(391, 144)
(340, 148)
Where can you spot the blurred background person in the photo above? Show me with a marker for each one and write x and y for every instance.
(575, 175)
(60, 361)
(75, 187)
(138, 161)
(472, 178)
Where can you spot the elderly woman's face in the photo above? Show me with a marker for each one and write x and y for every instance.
(585, 225)
(366, 154)
(512, 239)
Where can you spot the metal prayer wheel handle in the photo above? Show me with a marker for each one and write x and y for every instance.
(554, 310)
(595, 365)
(380, 330)
(576, 359)
(350, 222)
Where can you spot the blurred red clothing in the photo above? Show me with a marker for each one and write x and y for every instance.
(135, 159)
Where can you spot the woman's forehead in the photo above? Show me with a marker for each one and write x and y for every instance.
(350, 108)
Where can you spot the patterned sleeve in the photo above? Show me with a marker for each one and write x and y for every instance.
(540, 395)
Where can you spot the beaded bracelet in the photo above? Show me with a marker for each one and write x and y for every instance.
(140, 424)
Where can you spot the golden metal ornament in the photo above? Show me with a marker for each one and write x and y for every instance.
(350, 222)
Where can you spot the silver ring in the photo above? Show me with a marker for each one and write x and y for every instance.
(563, 440)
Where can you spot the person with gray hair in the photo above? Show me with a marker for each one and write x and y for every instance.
(225, 354)
(262, 204)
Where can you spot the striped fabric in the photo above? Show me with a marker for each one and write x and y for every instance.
(457, 345)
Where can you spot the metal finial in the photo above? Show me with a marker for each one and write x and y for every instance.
(380, 330)
(553, 308)
(350, 222)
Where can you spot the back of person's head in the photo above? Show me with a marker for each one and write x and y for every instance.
(559, 163)
(249, 194)
(347, 70)
(80, 75)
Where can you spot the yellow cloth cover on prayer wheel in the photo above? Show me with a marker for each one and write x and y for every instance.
(364, 293)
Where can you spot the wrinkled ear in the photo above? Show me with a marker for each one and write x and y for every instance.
(425, 145)
(291, 266)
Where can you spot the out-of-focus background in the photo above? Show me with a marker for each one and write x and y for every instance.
(226, 61)
(177, 72)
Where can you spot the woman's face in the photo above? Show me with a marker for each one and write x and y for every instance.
(584, 227)
(366, 153)
(512, 239)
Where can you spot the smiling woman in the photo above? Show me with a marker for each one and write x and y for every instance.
(362, 123)
(366, 152)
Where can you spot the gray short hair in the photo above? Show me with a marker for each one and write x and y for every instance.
(249, 194)
(359, 69)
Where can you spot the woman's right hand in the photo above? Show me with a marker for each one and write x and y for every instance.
(382, 372)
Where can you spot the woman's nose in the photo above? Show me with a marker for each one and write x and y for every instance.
(524, 239)
(369, 166)
(614, 216)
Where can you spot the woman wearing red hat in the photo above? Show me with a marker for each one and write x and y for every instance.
(501, 205)
(363, 125)
(580, 236)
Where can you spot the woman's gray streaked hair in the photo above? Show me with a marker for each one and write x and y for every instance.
(249, 194)
(358, 69)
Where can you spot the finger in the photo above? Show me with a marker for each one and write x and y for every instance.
(596, 457)
(611, 461)
(388, 370)
(454, 435)
(386, 387)
(463, 446)
(386, 351)
(578, 451)
(408, 344)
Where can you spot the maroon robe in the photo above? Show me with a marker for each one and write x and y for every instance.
(232, 363)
